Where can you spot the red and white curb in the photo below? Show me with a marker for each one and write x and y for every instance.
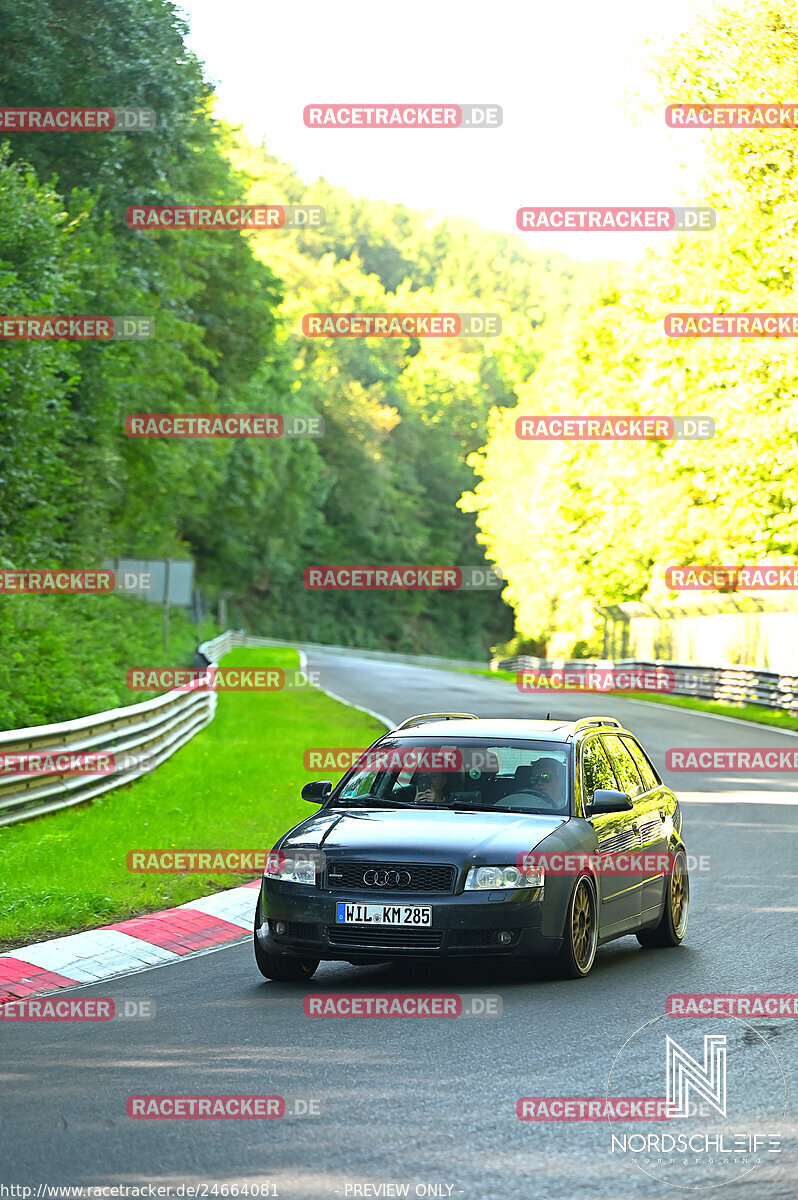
(127, 946)
(141, 942)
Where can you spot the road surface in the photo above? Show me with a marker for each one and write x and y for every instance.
(426, 1104)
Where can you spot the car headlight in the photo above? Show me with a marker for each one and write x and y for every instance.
(482, 879)
(290, 868)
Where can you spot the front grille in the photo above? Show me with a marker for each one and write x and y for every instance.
(424, 877)
(411, 939)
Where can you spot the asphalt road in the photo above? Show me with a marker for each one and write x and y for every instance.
(429, 1103)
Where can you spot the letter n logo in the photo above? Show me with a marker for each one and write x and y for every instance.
(684, 1073)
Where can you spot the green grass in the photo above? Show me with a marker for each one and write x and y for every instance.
(510, 675)
(66, 656)
(756, 713)
(235, 785)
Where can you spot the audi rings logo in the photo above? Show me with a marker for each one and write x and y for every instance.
(387, 878)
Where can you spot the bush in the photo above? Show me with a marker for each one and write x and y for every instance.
(67, 656)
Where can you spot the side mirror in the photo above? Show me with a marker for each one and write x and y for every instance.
(607, 800)
(317, 792)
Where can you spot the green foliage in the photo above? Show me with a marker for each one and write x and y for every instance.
(37, 272)
(402, 416)
(584, 523)
(67, 656)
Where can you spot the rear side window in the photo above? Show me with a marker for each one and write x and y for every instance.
(643, 765)
(596, 770)
(623, 765)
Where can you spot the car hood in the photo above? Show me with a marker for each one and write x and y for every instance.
(422, 835)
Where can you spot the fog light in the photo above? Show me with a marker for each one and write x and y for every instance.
(505, 938)
(279, 927)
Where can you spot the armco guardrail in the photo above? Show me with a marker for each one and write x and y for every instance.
(735, 685)
(140, 737)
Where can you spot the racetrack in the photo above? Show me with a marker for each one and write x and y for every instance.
(426, 1101)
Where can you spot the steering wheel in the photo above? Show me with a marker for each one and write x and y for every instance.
(548, 802)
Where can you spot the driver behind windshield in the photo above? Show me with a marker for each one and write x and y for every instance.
(547, 775)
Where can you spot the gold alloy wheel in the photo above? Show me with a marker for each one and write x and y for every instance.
(679, 898)
(583, 927)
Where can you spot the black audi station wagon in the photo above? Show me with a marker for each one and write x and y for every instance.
(454, 835)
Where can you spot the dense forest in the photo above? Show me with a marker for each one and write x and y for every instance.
(402, 416)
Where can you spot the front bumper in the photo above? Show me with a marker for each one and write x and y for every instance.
(462, 925)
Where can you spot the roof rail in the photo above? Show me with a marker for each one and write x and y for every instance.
(585, 722)
(422, 718)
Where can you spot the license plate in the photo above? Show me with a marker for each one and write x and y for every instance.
(383, 914)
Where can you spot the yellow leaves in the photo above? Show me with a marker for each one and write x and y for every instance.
(612, 516)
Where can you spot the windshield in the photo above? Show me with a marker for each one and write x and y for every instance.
(510, 775)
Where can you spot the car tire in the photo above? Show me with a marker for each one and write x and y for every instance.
(580, 941)
(282, 968)
(670, 929)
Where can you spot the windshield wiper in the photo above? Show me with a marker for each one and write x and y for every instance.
(494, 808)
(474, 808)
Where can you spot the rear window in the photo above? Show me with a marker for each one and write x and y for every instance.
(623, 765)
(643, 765)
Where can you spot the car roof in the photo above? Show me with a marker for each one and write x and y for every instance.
(491, 727)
